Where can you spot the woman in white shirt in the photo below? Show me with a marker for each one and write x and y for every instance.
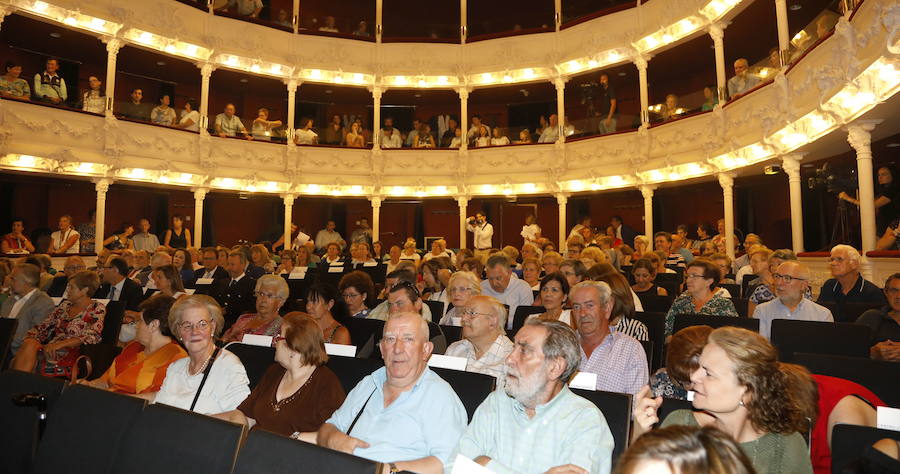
(66, 239)
(93, 100)
(306, 135)
(196, 319)
(190, 117)
(499, 139)
(456, 141)
(531, 232)
(162, 114)
(554, 292)
(483, 138)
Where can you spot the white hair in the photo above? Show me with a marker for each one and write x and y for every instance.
(852, 254)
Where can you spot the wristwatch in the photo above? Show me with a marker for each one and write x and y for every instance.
(393, 467)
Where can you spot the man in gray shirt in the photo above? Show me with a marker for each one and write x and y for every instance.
(144, 240)
(27, 302)
(791, 283)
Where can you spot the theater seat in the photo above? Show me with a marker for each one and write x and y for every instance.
(84, 430)
(522, 313)
(18, 436)
(471, 387)
(452, 333)
(350, 370)
(170, 440)
(436, 308)
(7, 332)
(685, 320)
(656, 303)
(849, 442)
(256, 359)
(269, 453)
(817, 337)
(879, 376)
(656, 329)
(365, 334)
(616, 408)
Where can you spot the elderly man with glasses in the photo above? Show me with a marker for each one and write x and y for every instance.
(791, 281)
(484, 343)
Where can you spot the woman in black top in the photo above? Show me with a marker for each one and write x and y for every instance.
(178, 237)
(644, 273)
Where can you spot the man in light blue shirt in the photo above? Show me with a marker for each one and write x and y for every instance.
(403, 414)
(144, 240)
(536, 424)
(504, 285)
(791, 282)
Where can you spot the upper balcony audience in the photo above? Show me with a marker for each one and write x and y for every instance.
(94, 99)
(329, 26)
(742, 81)
(135, 109)
(177, 237)
(16, 241)
(228, 124)
(50, 86)
(362, 29)
(162, 114)
(550, 133)
(11, 85)
(143, 239)
(248, 8)
(190, 117)
(66, 239)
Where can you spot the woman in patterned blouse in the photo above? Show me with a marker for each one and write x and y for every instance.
(56, 342)
(271, 293)
(700, 278)
(11, 85)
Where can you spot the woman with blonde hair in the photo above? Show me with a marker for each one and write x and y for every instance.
(461, 287)
(641, 245)
(259, 256)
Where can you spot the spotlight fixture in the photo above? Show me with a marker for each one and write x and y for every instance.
(160, 63)
(243, 196)
(55, 35)
(772, 169)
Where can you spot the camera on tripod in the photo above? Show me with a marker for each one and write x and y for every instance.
(833, 181)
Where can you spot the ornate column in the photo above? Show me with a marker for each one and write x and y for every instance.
(288, 199)
(647, 192)
(199, 196)
(717, 32)
(4, 11)
(562, 199)
(791, 166)
(295, 18)
(641, 63)
(463, 22)
(292, 110)
(206, 70)
(376, 117)
(726, 180)
(112, 52)
(379, 15)
(463, 203)
(781, 17)
(101, 186)
(560, 83)
(860, 138)
(376, 217)
(463, 115)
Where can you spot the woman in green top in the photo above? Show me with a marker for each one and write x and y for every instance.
(741, 389)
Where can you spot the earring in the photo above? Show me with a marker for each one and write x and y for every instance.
(741, 403)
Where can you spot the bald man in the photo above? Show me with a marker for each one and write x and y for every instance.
(791, 282)
(742, 81)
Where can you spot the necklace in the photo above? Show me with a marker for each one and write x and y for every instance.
(202, 367)
(277, 405)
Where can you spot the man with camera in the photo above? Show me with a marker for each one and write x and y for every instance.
(484, 233)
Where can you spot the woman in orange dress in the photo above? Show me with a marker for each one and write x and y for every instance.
(141, 367)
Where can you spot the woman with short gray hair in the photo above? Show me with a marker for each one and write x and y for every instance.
(209, 380)
(462, 286)
(271, 293)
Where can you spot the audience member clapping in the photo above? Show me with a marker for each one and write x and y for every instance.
(263, 128)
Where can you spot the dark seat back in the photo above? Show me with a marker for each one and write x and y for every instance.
(616, 408)
(670, 281)
(174, 441)
(112, 322)
(656, 328)
(684, 320)
(849, 442)
(648, 351)
(733, 289)
(849, 312)
(452, 333)
(351, 370)
(256, 359)
(364, 331)
(273, 454)
(656, 303)
(7, 332)
(18, 437)
(879, 376)
(847, 339)
(437, 309)
(522, 313)
(741, 305)
(85, 427)
(471, 387)
(671, 404)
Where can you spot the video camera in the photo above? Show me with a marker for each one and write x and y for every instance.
(834, 182)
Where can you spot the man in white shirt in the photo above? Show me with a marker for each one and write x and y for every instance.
(328, 235)
(504, 285)
(483, 232)
(551, 132)
(144, 240)
(27, 303)
(791, 282)
(390, 138)
(742, 81)
(229, 125)
(484, 343)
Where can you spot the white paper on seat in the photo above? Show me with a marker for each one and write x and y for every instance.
(464, 465)
(189, 291)
(447, 362)
(370, 264)
(297, 273)
(105, 301)
(340, 350)
(690, 395)
(56, 300)
(584, 381)
(888, 418)
(257, 340)
(335, 269)
(204, 281)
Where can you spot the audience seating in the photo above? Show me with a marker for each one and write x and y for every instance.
(471, 387)
(174, 441)
(351, 370)
(684, 320)
(84, 428)
(745, 284)
(7, 332)
(656, 304)
(437, 310)
(112, 322)
(742, 306)
(671, 282)
(656, 327)
(452, 333)
(18, 438)
(847, 339)
(522, 313)
(266, 452)
(256, 359)
(879, 376)
(849, 442)
(648, 351)
(298, 287)
(377, 273)
(101, 357)
(850, 312)
(671, 404)
(733, 288)
(365, 334)
(616, 408)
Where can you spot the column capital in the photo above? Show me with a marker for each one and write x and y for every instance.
(562, 198)
(376, 91)
(113, 45)
(647, 191)
(292, 84)
(463, 92)
(791, 163)
(560, 81)
(200, 193)
(288, 198)
(726, 180)
(462, 201)
(102, 185)
(376, 201)
(6, 10)
(641, 61)
(859, 133)
(717, 31)
(206, 69)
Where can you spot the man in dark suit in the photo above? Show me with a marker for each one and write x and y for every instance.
(116, 287)
(235, 293)
(27, 302)
(624, 232)
(211, 268)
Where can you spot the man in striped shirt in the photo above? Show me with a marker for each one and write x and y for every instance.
(663, 242)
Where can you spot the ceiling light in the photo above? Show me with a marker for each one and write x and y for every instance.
(160, 63)
(244, 80)
(55, 35)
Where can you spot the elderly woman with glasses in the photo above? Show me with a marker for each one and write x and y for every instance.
(298, 392)
(700, 278)
(271, 293)
(462, 286)
(197, 319)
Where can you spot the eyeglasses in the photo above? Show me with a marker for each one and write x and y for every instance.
(350, 295)
(786, 278)
(267, 296)
(471, 313)
(187, 327)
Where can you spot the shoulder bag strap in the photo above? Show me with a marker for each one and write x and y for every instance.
(361, 410)
(212, 360)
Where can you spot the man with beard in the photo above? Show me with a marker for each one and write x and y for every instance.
(403, 414)
(484, 343)
(536, 424)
